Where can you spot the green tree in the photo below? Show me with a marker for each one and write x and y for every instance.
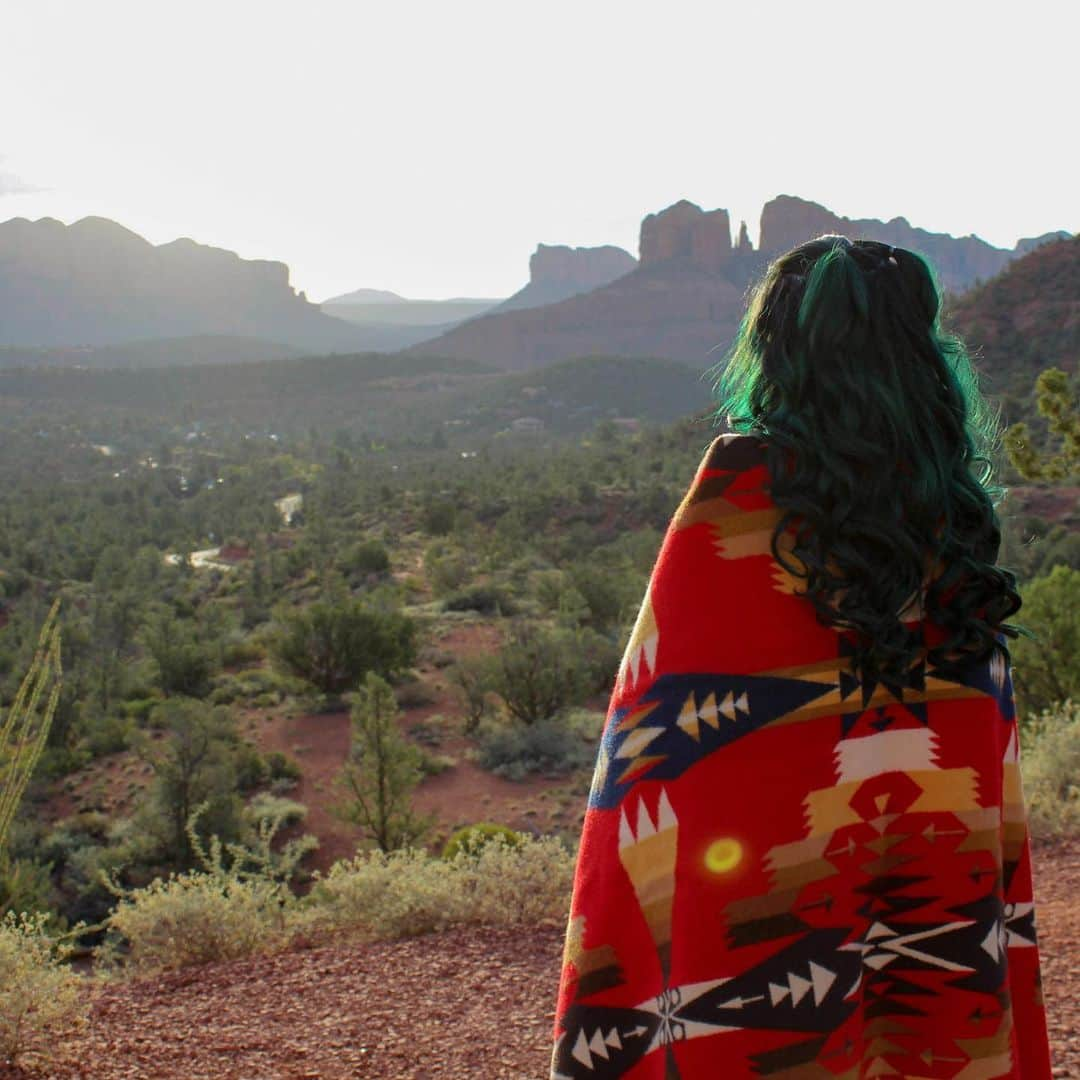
(1057, 402)
(1046, 668)
(195, 766)
(382, 771)
(184, 664)
(541, 672)
(334, 643)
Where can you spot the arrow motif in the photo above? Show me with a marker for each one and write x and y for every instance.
(932, 834)
(739, 1002)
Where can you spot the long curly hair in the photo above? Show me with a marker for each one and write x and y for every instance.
(880, 449)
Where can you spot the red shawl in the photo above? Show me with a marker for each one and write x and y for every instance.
(785, 871)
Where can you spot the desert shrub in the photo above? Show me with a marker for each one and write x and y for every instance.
(446, 570)
(434, 764)
(1051, 765)
(398, 894)
(184, 662)
(415, 694)
(25, 885)
(483, 599)
(471, 679)
(334, 644)
(517, 884)
(609, 592)
(273, 808)
(366, 557)
(471, 839)
(250, 766)
(252, 685)
(139, 709)
(281, 767)
(438, 516)
(42, 1002)
(548, 747)
(408, 892)
(198, 917)
(237, 651)
(107, 734)
(540, 672)
(1046, 668)
(431, 731)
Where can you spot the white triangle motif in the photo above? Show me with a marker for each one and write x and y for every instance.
(777, 993)
(799, 987)
(822, 979)
(581, 1051)
(612, 1039)
(597, 1045)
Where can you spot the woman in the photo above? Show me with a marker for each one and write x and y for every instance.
(805, 852)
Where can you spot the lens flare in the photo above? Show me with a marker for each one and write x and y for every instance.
(723, 855)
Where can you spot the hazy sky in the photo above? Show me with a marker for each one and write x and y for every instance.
(428, 147)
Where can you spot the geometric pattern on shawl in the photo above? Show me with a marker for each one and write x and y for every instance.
(785, 871)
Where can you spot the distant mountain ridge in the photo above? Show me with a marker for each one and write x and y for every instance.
(94, 293)
(95, 283)
(685, 297)
(1026, 319)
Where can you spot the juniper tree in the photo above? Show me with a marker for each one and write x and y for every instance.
(383, 770)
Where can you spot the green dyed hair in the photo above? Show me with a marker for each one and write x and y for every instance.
(879, 448)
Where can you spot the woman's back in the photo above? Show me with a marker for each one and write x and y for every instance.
(788, 867)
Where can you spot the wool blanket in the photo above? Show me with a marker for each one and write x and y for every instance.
(787, 871)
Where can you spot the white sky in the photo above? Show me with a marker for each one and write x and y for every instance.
(427, 147)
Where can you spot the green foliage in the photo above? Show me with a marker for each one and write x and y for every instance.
(408, 892)
(483, 599)
(471, 679)
(1046, 668)
(199, 917)
(1051, 767)
(546, 747)
(25, 728)
(366, 557)
(195, 765)
(446, 569)
(1058, 403)
(237, 904)
(471, 839)
(540, 672)
(438, 517)
(334, 643)
(383, 770)
(42, 1000)
(184, 662)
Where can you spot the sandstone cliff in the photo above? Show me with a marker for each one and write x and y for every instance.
(685, 298)
(960, 261)
(96, 283)
(676, 303)
(557, 272)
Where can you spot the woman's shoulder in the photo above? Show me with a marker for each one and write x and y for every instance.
(734, 453)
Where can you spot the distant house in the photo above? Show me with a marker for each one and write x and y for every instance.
(627, 423)
(527, 425)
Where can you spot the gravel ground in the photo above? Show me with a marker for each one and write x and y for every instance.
(465, 1004)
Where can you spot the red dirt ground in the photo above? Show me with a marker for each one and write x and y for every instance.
(469, 1004)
